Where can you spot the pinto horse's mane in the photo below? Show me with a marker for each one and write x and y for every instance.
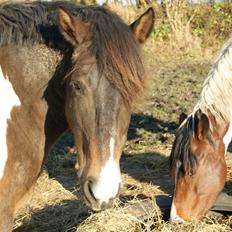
(216, 91)
(215, 99)
(113, 44)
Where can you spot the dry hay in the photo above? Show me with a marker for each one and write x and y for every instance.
(56, 205)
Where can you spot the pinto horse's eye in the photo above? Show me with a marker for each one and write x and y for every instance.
(77, 86)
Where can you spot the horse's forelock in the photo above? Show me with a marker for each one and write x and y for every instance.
(118, 55)
(181, 153)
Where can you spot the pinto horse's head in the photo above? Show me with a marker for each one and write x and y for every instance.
(197, 165)
(106, 77)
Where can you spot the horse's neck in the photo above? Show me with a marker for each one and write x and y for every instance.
(32, 71)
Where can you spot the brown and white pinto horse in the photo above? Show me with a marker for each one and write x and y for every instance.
(197, 160)
(63, 65)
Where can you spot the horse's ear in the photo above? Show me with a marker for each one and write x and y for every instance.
(201, 126)
(182, 117)
(72, 27)
(143, 26)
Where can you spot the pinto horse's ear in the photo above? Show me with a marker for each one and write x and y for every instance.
(73, 28)
(143, 26)
(201, 126)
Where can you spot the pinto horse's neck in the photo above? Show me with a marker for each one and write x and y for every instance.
(38, 84)
(31, 120)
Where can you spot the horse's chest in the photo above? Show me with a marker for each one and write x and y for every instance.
(8, 100)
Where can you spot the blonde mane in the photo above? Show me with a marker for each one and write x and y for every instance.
(216, 93)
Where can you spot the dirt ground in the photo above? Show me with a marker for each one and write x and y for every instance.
(56, 205)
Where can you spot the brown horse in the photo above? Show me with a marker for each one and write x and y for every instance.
(64, 65)
(197, 160)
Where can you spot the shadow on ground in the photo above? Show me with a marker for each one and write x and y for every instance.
(150, 124)
(228, 188)
(60, 164)
(65, 216)
(229, 149)
(149, 168)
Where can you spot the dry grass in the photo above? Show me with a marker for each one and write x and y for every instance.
(54, 208)
(56, 204)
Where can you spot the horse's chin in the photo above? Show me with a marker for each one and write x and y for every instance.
(103, 206)
(96, 206)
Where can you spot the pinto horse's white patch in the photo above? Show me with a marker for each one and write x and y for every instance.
(108, 184)
(8, 100)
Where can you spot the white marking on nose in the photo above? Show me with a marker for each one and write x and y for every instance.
(108, 183)
(8, 100)
(174, 217)
(228, 136)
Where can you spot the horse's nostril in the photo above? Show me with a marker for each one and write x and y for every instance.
(88, 190)
(99, 198)
(90, 184)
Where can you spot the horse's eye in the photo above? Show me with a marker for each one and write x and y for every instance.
(77, 86)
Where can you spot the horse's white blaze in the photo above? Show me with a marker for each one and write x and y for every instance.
(228, 136)
(174, 217)
(8, 100)
(108, 183)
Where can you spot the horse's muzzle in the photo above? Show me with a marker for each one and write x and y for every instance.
(94, 203)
